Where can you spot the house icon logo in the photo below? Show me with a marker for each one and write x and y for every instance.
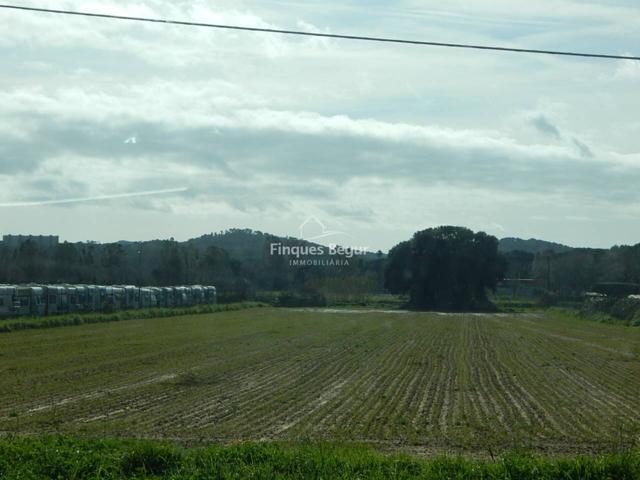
(310, 253)
(313, 229)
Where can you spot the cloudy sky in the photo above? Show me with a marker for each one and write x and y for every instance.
(217, 129)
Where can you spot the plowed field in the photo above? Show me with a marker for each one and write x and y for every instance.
(438, 382)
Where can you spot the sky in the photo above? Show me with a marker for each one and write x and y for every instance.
(115, 130)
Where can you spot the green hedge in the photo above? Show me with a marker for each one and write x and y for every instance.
(612, 310)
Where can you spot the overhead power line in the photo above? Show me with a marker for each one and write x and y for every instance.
(323, 35)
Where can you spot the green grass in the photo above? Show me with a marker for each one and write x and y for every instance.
(592, 316)
(71, 459)
(332, 300)
(74, 319)
(515, 304)
(379, 301)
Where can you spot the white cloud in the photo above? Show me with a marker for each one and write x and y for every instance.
(628, 70)
(264, 129)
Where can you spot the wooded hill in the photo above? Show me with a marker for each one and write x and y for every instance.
(237, 261)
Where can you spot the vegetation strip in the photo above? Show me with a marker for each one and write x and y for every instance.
(75, 459)
(13, 325)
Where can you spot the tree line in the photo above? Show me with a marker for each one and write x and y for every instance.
(237, 261)
(444, 268)
(569, 274)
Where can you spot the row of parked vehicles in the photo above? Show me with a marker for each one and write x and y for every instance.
(39, 300)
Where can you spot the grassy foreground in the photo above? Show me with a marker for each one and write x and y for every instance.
(69, 458)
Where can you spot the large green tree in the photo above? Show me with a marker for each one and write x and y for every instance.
(449, 268)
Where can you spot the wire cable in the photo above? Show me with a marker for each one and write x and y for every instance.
(323, 35)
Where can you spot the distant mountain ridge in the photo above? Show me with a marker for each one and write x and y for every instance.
(250, 244)
(247, 244)
(532, 245)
